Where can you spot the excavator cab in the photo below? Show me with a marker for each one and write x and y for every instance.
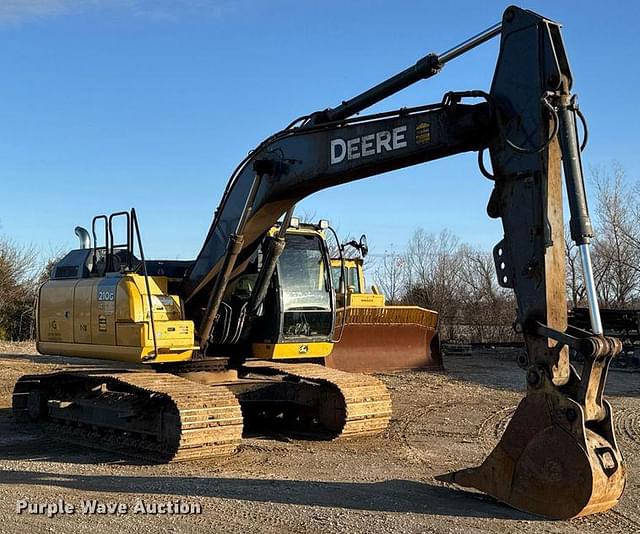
(295, 319)
(351, 272)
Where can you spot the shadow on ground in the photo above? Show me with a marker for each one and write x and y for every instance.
(389, 496)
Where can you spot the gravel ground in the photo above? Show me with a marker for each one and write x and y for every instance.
(442, 421)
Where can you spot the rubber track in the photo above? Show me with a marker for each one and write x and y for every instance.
(365, 402)
(209, 419)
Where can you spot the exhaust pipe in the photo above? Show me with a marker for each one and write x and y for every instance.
(83, 236)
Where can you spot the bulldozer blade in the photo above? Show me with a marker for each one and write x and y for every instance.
(549, 463)
(385, 347)
(386, 339)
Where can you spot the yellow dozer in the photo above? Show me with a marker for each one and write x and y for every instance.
(372, 336)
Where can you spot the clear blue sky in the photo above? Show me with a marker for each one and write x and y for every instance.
(108, 104)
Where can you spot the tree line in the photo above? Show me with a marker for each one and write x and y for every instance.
(19, 280)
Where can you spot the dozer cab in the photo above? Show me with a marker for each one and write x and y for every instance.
(183, 323)
(370, 335)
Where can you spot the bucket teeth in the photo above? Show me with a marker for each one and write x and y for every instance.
(550, 466)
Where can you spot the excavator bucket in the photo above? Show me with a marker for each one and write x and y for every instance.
(386, 338)
(549, 462)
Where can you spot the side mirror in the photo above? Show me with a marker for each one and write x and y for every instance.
(364, 248)
(375, 290)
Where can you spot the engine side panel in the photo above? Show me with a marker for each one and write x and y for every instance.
(108, 318)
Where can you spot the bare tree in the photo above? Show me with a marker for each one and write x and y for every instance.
(390, 275)
(616, 250)
(18, 283)
(487, 309)
(305, 215)
(575, 282)
(433, 276)
(478, 278)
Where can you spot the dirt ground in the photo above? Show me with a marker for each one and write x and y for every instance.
(441, 422)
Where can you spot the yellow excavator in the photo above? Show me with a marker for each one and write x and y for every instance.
(236, 336)
(372, 336)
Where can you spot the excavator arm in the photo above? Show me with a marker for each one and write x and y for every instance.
(558, 456)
